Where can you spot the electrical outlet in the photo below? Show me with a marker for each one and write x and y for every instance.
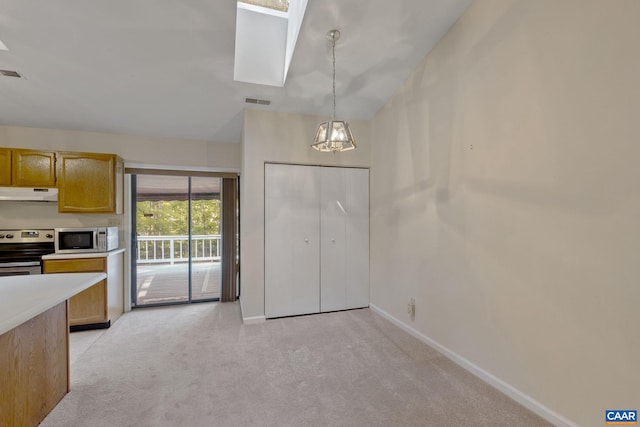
(411, 307)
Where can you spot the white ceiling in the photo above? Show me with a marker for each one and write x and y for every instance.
(165, 68)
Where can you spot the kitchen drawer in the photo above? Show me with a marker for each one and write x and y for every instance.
(76, 265)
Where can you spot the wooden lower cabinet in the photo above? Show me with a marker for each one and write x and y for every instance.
(93, 307)
(34, 368)
(89, 306)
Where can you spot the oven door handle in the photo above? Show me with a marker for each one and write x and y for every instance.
(19, 264)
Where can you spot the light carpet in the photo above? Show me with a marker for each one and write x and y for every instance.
(198, 365)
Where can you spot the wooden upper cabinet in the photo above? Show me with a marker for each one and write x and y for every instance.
(88, 182)
(33, 168)
(5, 166)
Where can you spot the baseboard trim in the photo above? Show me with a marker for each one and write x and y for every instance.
(88, 327)
(253, 320)
(250, 320)
(509, 390)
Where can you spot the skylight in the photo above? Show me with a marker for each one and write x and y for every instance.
(281, 5)
(266, 35)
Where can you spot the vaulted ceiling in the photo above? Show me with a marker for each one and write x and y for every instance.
(165, 69)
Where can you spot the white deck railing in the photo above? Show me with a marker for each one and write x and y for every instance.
(172, 249)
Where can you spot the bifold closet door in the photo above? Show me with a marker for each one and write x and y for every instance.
(292, 240)
(344, 238)
(357, 238)
(333, 247)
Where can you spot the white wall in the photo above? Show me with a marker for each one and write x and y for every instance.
(133, 149)
(284, 138)
(505, 183)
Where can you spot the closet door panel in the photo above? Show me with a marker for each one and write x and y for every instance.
(357, 238)
(292, 240)
(333, 217)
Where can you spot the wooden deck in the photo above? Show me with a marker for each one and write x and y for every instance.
(166, 283)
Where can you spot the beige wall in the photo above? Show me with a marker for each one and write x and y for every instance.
(133, 149)
(284, 138)
(505, 196)
(505, 189)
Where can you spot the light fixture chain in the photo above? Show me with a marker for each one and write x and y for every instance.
(333, 39)
(334, 135)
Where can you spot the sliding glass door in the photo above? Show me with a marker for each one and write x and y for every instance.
(177, 223)
(205, 243)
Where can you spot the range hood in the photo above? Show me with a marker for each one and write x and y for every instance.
(25, 194)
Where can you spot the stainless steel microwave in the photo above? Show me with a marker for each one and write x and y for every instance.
(86, 239)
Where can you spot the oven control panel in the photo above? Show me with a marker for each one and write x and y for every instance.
(26, 236)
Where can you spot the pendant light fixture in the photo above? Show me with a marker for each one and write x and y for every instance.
(334, 135)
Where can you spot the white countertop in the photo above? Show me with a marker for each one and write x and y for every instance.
(84, 255)
(24, 297)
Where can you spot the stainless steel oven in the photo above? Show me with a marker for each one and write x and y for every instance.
(20, 268)
(21, 251)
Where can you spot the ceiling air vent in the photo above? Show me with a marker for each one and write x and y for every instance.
(257, 101)
(9, 73)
